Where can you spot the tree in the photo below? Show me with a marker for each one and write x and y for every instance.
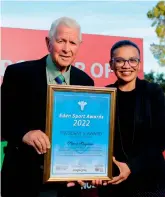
(158, 78)
(157, 14)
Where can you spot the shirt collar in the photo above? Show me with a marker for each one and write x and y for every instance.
(54, 70)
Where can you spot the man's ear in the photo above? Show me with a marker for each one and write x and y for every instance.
(48, 44)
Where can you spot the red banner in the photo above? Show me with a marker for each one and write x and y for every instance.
(93, 57)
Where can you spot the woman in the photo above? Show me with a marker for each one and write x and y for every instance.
(139, 166)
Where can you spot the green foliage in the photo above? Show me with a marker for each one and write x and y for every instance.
(158, 78)
(158, 51)
(157, 15)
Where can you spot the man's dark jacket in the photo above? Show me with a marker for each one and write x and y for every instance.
(23, 101)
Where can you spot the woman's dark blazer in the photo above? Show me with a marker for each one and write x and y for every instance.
(146, 160)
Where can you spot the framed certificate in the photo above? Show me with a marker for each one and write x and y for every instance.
(80, 126)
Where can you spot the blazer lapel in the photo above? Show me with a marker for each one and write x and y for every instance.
(138, 102)
(73, 80)
(41, 79)
(40, 92)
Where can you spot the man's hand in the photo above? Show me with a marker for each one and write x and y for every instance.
(71, 184)
(124, 173)
(38, 140)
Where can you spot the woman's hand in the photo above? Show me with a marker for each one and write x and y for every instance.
(124, 173)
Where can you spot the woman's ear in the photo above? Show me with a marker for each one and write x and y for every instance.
(111, 65)
(139, 66)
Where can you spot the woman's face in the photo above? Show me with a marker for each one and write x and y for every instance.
(126, 71)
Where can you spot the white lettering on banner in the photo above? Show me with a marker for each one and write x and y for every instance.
(100, 74)
(20, 61)
(103, 71)
(80, 65)
(4, 64)
(107, 70)
(87, 186)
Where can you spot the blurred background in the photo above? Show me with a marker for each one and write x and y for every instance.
(136, 19)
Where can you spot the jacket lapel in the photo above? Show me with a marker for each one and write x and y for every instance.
(73, 80)
(40, 92)
(138, 104)
(40, 77)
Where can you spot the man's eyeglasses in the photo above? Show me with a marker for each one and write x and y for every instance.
(120, 62)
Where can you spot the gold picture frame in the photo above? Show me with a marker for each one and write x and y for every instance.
(65, 98)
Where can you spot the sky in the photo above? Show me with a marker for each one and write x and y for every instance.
(114, 18)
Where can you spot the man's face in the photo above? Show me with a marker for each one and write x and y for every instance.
(64, 47)
(125, 71)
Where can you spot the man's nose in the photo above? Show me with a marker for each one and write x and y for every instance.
(66, 47)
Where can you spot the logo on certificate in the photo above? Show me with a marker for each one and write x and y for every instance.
(82, 105)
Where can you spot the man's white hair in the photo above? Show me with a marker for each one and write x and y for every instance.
(66, 21)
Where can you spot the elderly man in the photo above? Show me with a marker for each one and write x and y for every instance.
(24, 92)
